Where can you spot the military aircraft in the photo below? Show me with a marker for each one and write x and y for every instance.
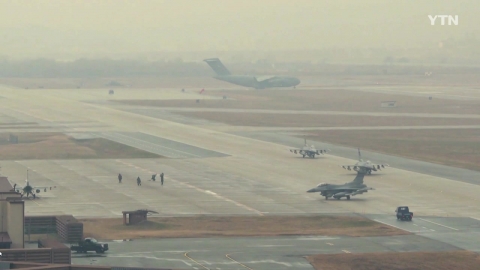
(346, 190)
(29, 189)
(365, 167)
(257, 82)
(309, 150)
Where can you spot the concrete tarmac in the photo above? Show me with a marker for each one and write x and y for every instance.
(248, 252)
(249, 179)
(253, 176)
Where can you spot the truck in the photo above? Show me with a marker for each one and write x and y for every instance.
(403, 213)
(89, 244)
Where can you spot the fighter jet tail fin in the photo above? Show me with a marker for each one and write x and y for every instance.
(217, 66)
(359, 178)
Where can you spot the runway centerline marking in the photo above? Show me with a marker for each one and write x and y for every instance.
(227, 255)
(438, 224)
(133, 139)
(201, 190)
(203, 266)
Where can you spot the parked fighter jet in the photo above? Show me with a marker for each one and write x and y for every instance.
(257, 82)
(309, 150)
(29, 190)
(365, 167)
(346, 190)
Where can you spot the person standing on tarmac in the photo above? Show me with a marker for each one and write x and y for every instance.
(161, 178)
(119, 178)
(139, 182)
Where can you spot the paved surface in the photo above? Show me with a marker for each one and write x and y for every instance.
(257, 177)
(158, 145)
(254, 175)
(452, 173)
(247, 252)
(151, 111)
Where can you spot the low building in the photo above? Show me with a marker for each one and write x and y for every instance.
(12, 213)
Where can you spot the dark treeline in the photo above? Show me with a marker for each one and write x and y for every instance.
(88, 68)
(100, 68)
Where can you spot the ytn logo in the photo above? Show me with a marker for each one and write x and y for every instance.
(452, 20)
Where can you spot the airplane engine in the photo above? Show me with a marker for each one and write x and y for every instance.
(37, 191)
(339, 195)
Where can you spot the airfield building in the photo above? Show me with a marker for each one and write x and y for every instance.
(12, 213)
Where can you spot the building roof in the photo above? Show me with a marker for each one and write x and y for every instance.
(5, 185)
(141, 211)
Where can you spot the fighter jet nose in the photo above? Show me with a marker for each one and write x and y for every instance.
(311, 190)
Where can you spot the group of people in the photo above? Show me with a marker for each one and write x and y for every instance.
(139, 181)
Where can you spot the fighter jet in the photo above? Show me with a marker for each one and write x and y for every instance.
(29, 190)
(365, 167)
(309, 150)
(346, 190)
(257, 82)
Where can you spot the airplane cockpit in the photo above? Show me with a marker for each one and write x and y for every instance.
(322, 184)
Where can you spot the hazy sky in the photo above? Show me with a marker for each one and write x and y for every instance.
(116, 26)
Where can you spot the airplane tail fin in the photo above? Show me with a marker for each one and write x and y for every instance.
(217, 66)
(359, 178)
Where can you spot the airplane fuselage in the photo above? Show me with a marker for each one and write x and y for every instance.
(252, 81)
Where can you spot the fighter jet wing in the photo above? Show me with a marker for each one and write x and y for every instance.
(322, 151)
(380, 166)
(297, 151)
(360, 191)
(349, 167)
(44, 188)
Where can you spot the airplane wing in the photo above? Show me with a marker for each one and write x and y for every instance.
(360, 191)
(380, 166)
(297, 151)
(39, 189)
(322, 151)
(351, 192)
(349, 167)
(301, 151)
(265, 78)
